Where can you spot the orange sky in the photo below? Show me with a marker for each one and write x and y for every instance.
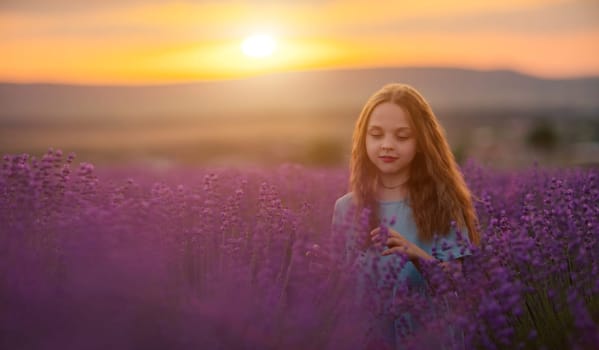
(157, 41)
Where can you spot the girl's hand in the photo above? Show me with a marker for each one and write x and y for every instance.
(397, 243)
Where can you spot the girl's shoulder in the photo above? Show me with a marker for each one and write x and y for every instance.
(344, 202)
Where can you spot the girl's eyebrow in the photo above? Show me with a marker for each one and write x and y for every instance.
(400, 128)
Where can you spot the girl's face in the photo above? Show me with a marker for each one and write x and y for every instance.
(390, 142)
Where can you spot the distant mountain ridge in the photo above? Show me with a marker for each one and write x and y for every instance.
(445, 88)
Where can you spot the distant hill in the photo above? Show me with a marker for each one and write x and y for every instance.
(445, 88)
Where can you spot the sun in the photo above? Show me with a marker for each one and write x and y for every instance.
(258, 45)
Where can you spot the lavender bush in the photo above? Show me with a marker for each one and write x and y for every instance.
(246, 259)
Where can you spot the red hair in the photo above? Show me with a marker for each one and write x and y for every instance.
(437, 192)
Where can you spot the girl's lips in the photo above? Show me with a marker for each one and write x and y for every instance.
(388, 159)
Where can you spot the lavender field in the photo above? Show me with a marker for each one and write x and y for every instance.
(195, 258)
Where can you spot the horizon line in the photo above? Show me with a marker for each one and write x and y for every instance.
(298, 71)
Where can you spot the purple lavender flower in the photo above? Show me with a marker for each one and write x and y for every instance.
(175, 249)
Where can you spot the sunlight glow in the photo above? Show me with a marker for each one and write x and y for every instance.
(258, 46)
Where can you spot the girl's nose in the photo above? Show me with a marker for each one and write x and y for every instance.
(387, 144)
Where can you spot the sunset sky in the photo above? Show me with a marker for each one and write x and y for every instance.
(159, 41)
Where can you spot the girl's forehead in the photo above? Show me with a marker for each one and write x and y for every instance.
(389, 115)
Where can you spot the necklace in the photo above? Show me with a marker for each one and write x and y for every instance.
(390, 187)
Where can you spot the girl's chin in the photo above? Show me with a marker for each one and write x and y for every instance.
(389, 170)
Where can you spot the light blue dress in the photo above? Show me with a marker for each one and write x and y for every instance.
(375, 267)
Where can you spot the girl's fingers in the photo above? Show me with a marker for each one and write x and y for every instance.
(394, 233)
(394, 242)
(392, 250)
(395, 238)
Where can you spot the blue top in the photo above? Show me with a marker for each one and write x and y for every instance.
(371, 262)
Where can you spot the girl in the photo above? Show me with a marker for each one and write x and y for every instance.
(406, 187)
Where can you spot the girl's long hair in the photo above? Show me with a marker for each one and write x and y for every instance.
(437, 191)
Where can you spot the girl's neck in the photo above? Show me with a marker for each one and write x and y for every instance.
(392, 187)
(386, 195)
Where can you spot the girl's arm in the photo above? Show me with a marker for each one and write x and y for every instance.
(429, 269)
(419, 258)
(423, 261)
(341, 228)
(451, 266)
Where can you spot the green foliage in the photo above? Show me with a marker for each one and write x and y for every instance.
(542, 136)
(324, 152)
(459, 154)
